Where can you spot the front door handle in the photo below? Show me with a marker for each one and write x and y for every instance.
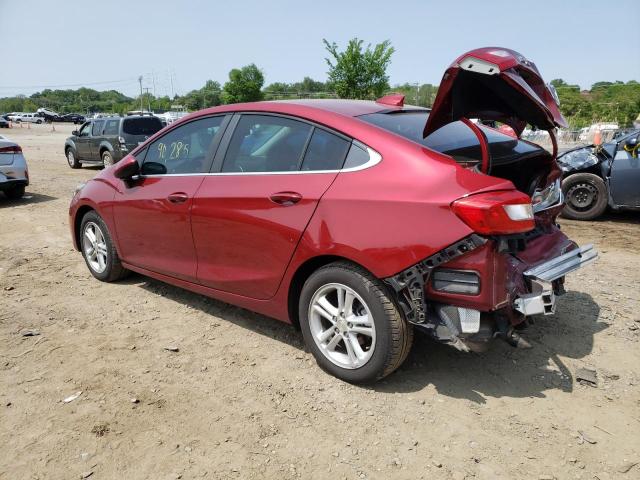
(178, 197)
(285, 198)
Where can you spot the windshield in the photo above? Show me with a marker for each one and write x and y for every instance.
(141, 125)
(454, 139)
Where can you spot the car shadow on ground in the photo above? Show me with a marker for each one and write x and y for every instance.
(502, 371)
(626, 216)
(28, 199)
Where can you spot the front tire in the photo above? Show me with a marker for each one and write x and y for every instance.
(352, 325)
(72, 159)
(107, 159)
(15, 193)
(98, 249)
(585, 196)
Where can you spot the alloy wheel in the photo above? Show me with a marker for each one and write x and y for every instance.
(94, 247)
(342, 326)
(71, 158)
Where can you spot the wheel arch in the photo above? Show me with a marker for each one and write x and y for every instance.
(302, 273)
(77, 221)
(105, 147)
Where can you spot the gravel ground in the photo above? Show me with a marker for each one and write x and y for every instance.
(242, 398)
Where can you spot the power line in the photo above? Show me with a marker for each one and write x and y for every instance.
(25, 87)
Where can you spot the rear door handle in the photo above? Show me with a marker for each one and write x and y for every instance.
(178, 197)
(285, 198)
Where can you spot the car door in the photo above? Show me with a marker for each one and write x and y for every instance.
(153, 214)
(624, 180)
(248, 216)
(83, 149)
(94, 141)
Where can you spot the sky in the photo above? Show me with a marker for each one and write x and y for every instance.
(177, 45)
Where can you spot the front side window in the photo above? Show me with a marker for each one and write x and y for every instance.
(97, 128)
(185, 149)
(85, 131)
(112, 127)
(265, 143)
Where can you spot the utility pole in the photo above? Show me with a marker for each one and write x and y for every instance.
(140, 80)
(417, 92)
(148, 98)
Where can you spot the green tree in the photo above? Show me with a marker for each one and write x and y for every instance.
(420, 95)
(358, 72)
(208, 96)
(244, 85)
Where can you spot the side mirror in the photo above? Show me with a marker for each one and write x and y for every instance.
(126, 168)
(75, 132)
(153, 168)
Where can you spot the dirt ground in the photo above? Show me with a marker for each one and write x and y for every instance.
(242, 398)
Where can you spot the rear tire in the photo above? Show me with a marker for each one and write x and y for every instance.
(107, 159)
(15, 193)
(72, 159)
(585, 195)
(379, 337)
(98, 250)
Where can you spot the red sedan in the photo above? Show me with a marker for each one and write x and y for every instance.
(357, 221)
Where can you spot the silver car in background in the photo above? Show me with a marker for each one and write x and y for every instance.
(14, 174)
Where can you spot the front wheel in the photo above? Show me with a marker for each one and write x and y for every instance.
(98, 249)
(72, 159)
(585, 196)
(351, 324)
(15, 193)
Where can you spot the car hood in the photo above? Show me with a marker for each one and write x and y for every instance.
(498, 84)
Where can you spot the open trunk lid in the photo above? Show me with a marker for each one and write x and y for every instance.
(498, 84)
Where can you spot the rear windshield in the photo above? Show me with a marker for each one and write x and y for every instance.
(141, 125)
(454, 139)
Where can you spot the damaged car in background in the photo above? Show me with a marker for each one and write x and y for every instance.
(599, 176)
(357, 221)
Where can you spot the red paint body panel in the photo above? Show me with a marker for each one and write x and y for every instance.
(529, 100)
(153, 232)
(244, 239)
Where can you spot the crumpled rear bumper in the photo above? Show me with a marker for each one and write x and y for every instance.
(518, 283)
(541, 299)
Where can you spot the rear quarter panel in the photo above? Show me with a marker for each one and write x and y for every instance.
(392, 215)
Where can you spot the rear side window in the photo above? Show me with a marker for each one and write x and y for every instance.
(141, 126)
(265, 143)
(97, 128)
(111, 127)
(357, 156)
(326, 151)
(185, 149)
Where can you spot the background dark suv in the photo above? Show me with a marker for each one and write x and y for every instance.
(109, 139)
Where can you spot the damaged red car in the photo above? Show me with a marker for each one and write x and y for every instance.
(357, 221)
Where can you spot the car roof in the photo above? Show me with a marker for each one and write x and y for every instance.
(341, 107)
(351, 108)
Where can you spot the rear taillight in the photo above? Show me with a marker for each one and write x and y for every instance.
(11, 149)
(496, 213)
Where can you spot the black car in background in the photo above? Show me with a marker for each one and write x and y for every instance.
(597, 176)
(109, 139)
(72, 117)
